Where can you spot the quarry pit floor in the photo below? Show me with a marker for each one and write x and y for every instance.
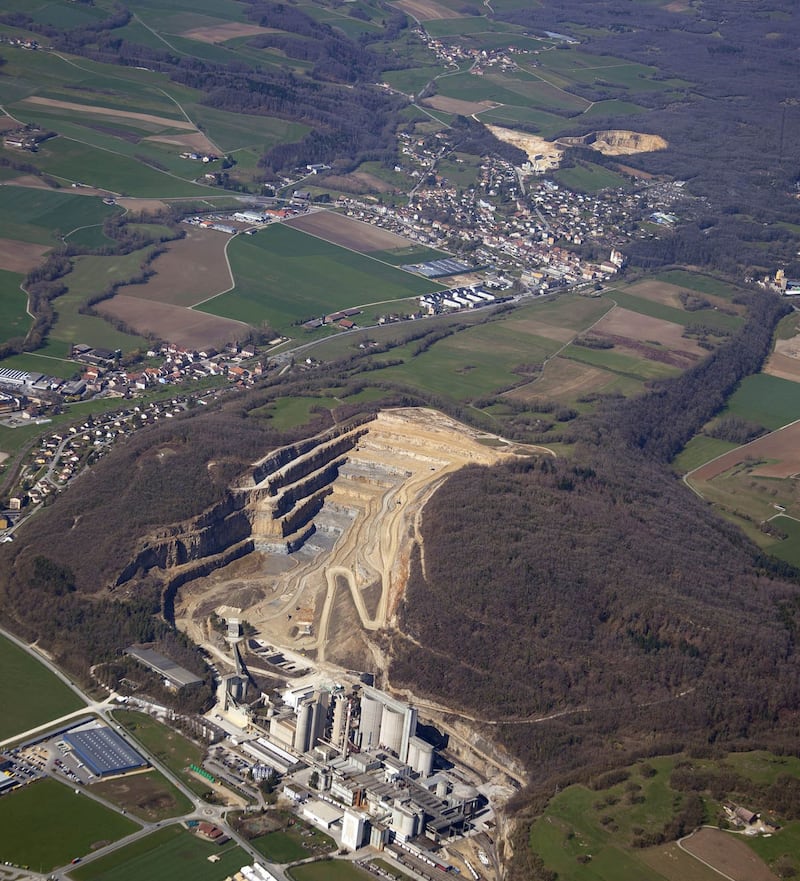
(324, 601)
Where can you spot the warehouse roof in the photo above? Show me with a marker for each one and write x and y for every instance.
(103, 751)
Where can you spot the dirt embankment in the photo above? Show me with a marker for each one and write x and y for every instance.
(544, 154)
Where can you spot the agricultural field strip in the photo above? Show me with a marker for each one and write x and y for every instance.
(733, 455)
(172, 123)
(108, 111)
(567, 345)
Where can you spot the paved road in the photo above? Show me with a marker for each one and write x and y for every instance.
(200, 809)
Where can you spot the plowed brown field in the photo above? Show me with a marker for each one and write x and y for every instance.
(175, 324)
(20, 256)
(728, 855)
(782, 445)
(348, 233)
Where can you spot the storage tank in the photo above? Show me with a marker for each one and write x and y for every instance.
(370, 725)
(423, 752)
(404, 822)
(302, 733)
(391, 734)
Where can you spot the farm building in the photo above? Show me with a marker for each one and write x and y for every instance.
(103, 751)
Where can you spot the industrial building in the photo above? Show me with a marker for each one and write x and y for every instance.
(174, 675)
(103, 751)
(386, 723)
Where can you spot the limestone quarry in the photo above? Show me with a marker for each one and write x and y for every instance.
(316, 538)
(617, 142)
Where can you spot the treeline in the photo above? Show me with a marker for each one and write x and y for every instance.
(662, 421)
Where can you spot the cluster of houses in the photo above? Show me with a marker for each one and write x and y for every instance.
(25, 137)
(452, 56)
(179, 365)
(200, 157)
(64, 454)
(537, 231)
(19, 42)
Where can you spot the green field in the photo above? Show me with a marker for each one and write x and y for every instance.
(45, 825)
(292, 844)
(586, 177)
(328, 870)
(14, 318)
(698, 451)
(474, 362)
(79, 161)
(626, 365)
(703, 284)
(170, 854)
(767, 400)
(788, 549)
(49, 365)
(708, 317)
(42, 216)
(285, 277)
(36, 695)
(411, 254)
(173, 749)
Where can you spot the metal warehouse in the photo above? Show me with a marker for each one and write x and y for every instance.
(103, 751)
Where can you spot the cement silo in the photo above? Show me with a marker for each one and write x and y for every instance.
(370, 725)
(302, 734)
(420, 756)
(391, 734)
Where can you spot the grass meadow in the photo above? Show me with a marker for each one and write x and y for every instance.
(586, 177)
(328, 870)
(768, 400)
(45, 824)
(174, 750)
(787, 549)
(698, 451)
(169, 854)
(36, 695)
(14, 318)
(285, 277)
(43, 216)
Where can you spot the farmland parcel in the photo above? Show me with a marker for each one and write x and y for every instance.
(284, 277)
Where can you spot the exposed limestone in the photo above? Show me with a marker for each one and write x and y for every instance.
(618, 142)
